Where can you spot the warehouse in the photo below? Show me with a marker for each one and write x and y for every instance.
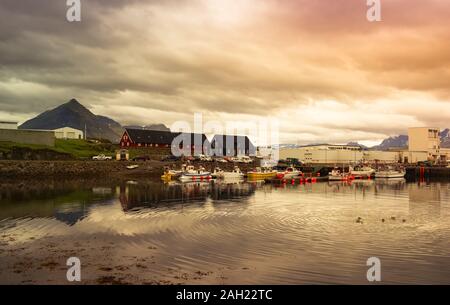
(8, 125)
(68, 133)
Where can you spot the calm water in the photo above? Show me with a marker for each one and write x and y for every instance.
(236, 233)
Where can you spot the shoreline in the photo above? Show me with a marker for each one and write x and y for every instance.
(11, 169)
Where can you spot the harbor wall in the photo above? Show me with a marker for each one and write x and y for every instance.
(100, 169)
(414, 173)
(34, 137)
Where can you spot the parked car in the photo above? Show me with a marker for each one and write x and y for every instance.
(245, 159)
(101, 158)
(294, 162)
(170, 159)
(204, 158)
(221, 160)
(141, 158)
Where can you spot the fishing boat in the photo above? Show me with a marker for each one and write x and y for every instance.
(192, 174)
(217, 173)
(360, 172)
(130, 167)
(338, 175)
(289, 173)
(234, 174)
(170, 174)
(390, 173)
(261, 173)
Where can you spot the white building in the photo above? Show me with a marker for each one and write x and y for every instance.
(68, 133)
(338, 154)
(425, 145)
(382, 156)
(324, 154)
(8, 125)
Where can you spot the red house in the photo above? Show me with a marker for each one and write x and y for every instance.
(162, 139)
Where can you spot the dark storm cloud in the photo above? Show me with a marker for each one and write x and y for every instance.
(232, 58)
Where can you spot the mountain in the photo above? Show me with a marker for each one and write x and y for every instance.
(393, 142)
(357, 144)
(159, 127)
(73, 114)
(445, 138)
(402, 141)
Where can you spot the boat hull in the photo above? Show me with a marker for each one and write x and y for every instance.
(195, 177)
(362, 174)
(389, 175)
(231, 176)
(261, 176)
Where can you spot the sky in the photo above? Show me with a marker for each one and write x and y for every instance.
(319, 67)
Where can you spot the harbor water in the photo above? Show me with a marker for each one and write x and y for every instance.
(149, 232)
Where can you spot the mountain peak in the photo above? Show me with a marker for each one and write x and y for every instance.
(73, 101)
(74, 104)
(73, 114)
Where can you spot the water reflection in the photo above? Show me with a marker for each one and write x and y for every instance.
(156, 194)
(287, 233)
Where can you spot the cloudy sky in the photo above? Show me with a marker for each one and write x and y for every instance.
(319, 67)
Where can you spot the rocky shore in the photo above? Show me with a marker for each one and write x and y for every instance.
(90, 169)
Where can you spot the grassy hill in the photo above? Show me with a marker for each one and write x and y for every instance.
(63, 150)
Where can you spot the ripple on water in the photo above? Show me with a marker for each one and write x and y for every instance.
(296, 234)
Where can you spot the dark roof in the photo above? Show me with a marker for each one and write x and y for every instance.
(234, 138)
(160, 137)
(150, 136)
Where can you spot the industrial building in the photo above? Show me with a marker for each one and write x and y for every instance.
(8, 125)
(425, 145)
(69, 133)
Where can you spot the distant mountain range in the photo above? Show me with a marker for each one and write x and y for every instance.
(159, 127)
(393, 142)
(73, 114)
(401, 141)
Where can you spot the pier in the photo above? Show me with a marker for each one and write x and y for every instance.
(421, 172)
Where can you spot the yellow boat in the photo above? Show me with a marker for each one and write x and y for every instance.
(170, 174)
(166, 177)
(261, 174)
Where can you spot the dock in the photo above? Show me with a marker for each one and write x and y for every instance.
(422, 172)
(297, 180)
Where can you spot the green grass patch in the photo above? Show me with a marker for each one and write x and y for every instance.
(79, 149)
(82, 149)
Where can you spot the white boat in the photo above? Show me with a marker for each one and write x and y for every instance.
(192, 174)
(217, 173)
(290, 173)
(362, 172)
(337, 175)
(130, 167)
(390, 173)
(234, 174)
